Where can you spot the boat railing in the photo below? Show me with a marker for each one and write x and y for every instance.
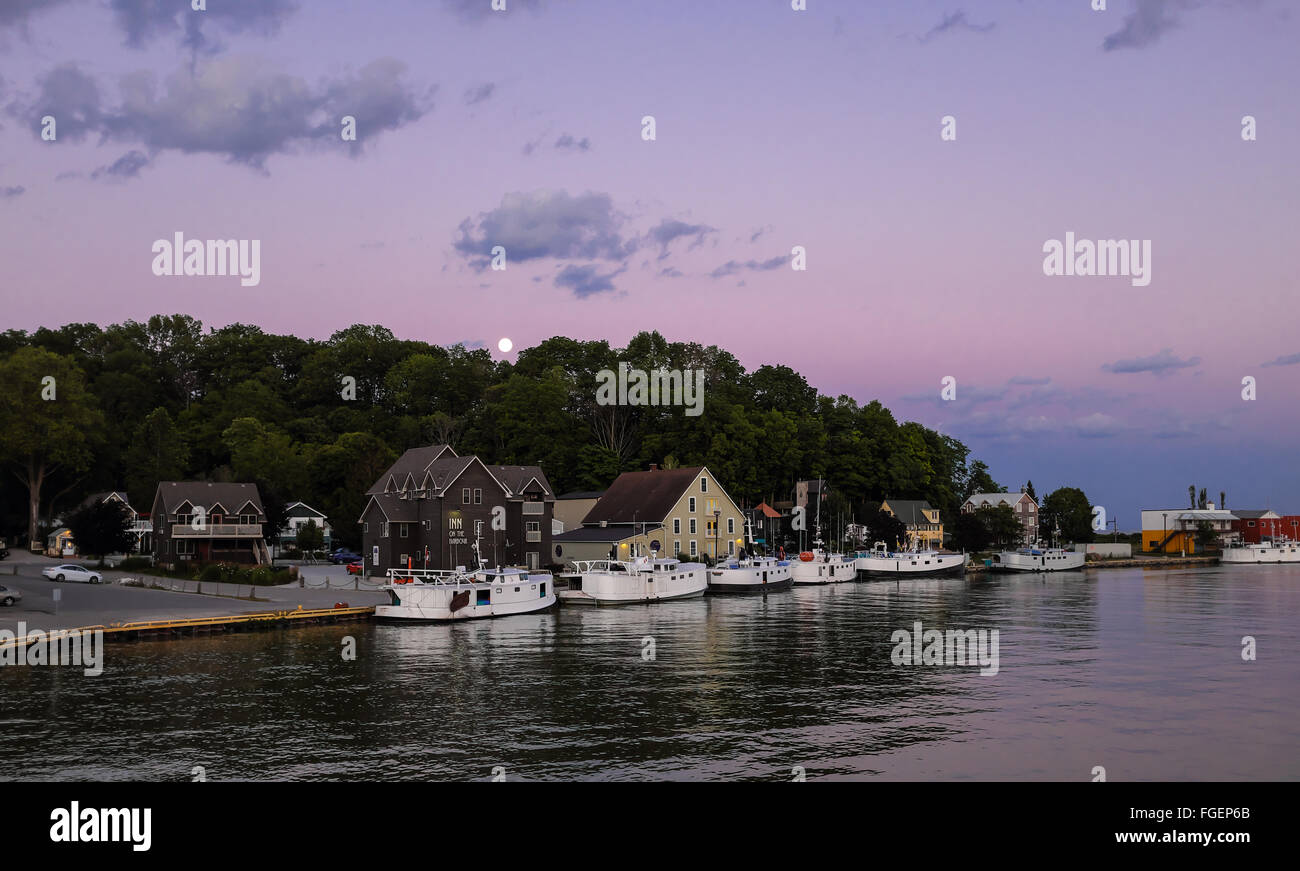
(434, 577)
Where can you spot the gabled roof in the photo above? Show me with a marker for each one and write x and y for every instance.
(394, 509)
(518, 478)
(603, 533)
(992, 498)
(206, 493)
(581, 494)
(909, 510)
(643, 496)
(1256, 515)
(414, 463)
(302, 509)
(766, 510)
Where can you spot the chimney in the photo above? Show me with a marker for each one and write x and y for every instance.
(654, 467)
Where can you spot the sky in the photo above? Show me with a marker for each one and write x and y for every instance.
(821, 128)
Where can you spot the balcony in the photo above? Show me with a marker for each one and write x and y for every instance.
(534, 507)
(217, 530)
(532, 536)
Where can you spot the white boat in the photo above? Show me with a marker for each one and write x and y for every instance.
(1278, 550)
(881, 562)
(1038, 559)
(760, 574)
(819, 567)
(423, 595)
(621, 582)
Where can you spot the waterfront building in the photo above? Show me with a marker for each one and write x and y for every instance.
(428, 508)
(205, 521)
(571, 508)
(1174, 530)
(664, 511)
(1022, 503)
(924, 527)
(1252, 525)
(141, 527)
(296, 516)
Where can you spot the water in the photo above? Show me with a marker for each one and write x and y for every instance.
(1138, 672)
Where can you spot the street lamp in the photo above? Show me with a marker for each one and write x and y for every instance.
(717, 514)
(1165, 531)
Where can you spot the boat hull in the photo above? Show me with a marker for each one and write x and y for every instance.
(821, 571)
(1065, 561)
(433, 604)
(623, 588)
(912, 566)
(1261, 554)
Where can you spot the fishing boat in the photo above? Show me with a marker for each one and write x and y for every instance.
(816, 566)
(1277, 550)
(436, 595)
(881, 562)
(1037, 559)
(760, 574)
(622, 582)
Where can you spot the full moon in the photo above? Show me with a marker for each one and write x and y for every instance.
(505, 345)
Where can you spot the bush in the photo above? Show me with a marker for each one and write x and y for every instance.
(212, 573)
(135, 563)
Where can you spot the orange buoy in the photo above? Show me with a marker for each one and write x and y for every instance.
(806, 556)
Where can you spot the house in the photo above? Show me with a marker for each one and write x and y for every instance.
(205, 521)
(663, 511)
(296, 515)
(141, 526)
(923, 524)
(1174, 530)
(1252, 526)
(765, 525)
(59, 543)
(431, 507)
(572, 507)
(1022, 503)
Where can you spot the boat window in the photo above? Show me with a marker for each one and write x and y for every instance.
(543, 591)
(485, 597)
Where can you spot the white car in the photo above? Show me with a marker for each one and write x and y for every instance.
(72, 572)
(8, 595)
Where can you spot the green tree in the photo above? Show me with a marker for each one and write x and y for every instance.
(979, 481)
(47, 420)
(883, 526)
(1029, 488)
(310, 537)
(158, 453)
(101, 528)
(1003, 526)
(970, 533)
(1067, 509)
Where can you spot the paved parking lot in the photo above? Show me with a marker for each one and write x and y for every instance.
(110, 602)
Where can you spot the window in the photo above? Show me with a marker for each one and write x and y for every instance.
(215, 518)
(704, 485)
(731, 526)
(731, 548)
(692, 527)
(694, 551)
(677, 526)
(534, 526)
(1250, 523)
(383, 529)
(365, 527)
(403, 533)
(478, 496)
(692, 504)
(677, 547)
(401, 560)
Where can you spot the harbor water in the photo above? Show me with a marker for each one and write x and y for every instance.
(1137, 672)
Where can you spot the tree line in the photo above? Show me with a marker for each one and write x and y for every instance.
(85, 408)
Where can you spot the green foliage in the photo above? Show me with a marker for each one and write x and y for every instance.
(310, 537)
(1002, 525)
(970, 534)
(101, 528)
(1067, 508)
(883, 526)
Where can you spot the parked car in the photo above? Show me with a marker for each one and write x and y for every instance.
(8, 595)
(355, 568)
(73, 572)
(343, 555)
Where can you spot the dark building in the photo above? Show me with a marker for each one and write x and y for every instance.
(202, 521)
(428, 508)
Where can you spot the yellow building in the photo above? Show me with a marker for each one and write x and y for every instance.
(923, 524)
(662, 511)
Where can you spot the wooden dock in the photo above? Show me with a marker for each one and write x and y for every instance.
(191, 626)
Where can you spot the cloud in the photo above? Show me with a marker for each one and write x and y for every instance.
(1149, 20)
(474, 96)
(670, 229)
(754, 237)
(532, 145)
(568, 142)
(1286, 360)
(235, 107)
(1161, 364)
(8, 193)
(542, 224)
(670, 272)
(1097, 426)
(955, 21)
(145, 20)
(731, 267)
(126, 166)
(17, 13)
(1028, 380)
(586, 281)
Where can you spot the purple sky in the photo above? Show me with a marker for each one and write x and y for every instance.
(775, 128)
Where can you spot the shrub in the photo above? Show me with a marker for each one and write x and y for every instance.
(133, 563)
(212, 572)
